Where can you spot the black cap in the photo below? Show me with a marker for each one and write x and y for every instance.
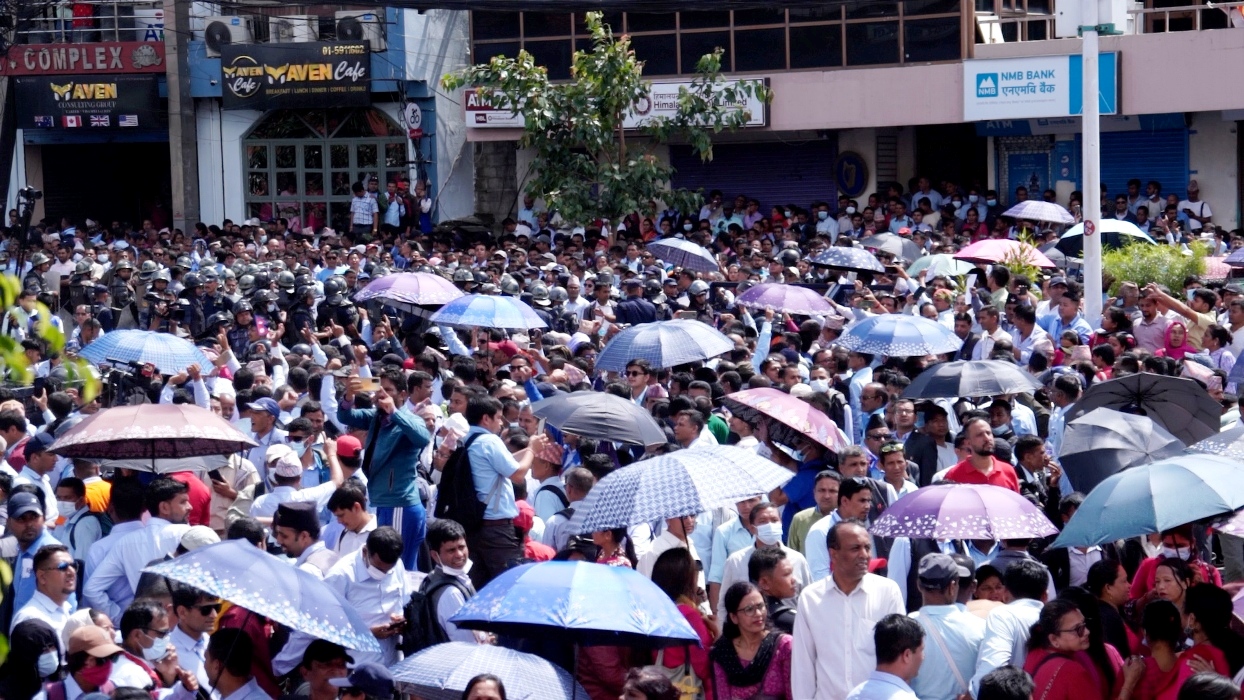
(373, 679)
(301, 516)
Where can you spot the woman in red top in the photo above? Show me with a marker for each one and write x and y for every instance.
(1159, 675)
(1176, 544)
(1207, 620)
(1057, 655)
(675, 573)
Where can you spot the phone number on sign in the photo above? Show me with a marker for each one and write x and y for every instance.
(349, 50)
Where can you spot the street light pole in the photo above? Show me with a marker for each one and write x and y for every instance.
(1091, 156)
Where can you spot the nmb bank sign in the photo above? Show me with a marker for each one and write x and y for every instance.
(1035, 86)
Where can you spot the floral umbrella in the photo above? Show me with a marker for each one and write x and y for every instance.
(786, 417)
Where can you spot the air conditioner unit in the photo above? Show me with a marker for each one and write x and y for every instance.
(295, 29)
(360, 25)
(219, 32)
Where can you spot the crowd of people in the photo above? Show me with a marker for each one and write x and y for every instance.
(359, 410)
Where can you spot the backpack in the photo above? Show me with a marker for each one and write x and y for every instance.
(105, 526)
(456, 498)
(422, 628)
(557, 491)
(837, 408)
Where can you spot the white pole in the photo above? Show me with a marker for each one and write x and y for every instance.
(1091, 157)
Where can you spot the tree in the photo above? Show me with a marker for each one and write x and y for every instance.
(584, 167)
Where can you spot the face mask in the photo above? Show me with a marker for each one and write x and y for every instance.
(822, 215)
(973, 198)
(300, 448)
(1184, 553)
(687, 227)
(769, 533)
(375, 573)
(850, 210)
(958, 202)
(49, 663)
(97, 675)
(102, 257)
(457, 572)
(787, 213)
(820, 386)
(991, 202)
(157, 650)
(1190, 294)
(66, 508)
(244, 425)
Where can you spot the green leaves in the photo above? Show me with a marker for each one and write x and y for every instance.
(15, 366)
(587, 166)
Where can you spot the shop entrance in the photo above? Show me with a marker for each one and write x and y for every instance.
(107, 182)
(952, 152)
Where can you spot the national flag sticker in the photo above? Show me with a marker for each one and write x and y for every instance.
(127, 120)
(101, 120)
(47, 122)
(72, 120)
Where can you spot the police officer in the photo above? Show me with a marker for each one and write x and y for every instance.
(301, 316)
(101, 309)
(195, 318)
(239, 334)
(39, 265)
(214, 301)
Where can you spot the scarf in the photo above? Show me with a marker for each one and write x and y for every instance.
(738, 676)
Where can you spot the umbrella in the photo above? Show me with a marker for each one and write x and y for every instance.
(893, 244)
(1156, 497)
(596, 414)
(240, 573)
(1114, 234)
(845, 258)
(151, 432)
(1235, 259)
(685, 482)
(1228, 443)
(786, 417)
(1104, 442)
(664, 344)
(899, 335)
(1037, 210)
(166, 465)
(486, 311)
(579, 602)
(971, 378)
(1180, 405)
(1216, 268)
(441, 672)
(1001, 250)
(166, 351)
(787, 299)
(940, 264)
(684, 254)
(410, 291)
(963, 512)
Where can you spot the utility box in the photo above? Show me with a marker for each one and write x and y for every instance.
(1070, 15)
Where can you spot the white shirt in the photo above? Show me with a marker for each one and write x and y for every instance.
(1080, 563)
(30, 476)
(662, 544)
(1006, 637)
(44, 608)
(1200, 208)
(374, 600)
(351, 541)
(448, 603)
(250, 691)
(883, 686)
(97, 554)
(156, 539)
(736, 570)
(265, 506)
(546, 503)
(833, 643)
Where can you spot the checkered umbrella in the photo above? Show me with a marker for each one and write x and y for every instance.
(1038, 210)
(664, 344)
(486, 311)
(684, 254)
(686, 482)
(441, 672)
(899, 335)
(844, 258)
(166, 351)
(410, 291)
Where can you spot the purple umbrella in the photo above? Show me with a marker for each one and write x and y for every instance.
(410, 291)
(786, 298)
(963, 512)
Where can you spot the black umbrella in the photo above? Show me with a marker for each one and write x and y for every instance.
(595, 414)
(1104, 442)
(1180, 405)
(971, 378)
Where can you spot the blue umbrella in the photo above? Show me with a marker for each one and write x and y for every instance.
(441, 672)
(686, 482)
(1156, 497)
(166, 351)
(580, 603)
(899, 335)
(245, 576)
(664, 344)
(844, 258)
(487, 311)
(684, 254)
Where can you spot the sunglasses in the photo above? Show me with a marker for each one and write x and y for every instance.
(635, 373)
(208, 608)
(879, 436)
(891, 447)
(63, 566)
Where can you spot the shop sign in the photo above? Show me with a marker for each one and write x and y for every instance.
(662, 101)
(296, 76)
(89, 102)
(1034, 86)
(83, 59)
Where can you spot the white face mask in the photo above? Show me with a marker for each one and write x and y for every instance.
(1184, 553)
(102, 257)
(769, 533)
(157, 650)
(66, 508)
(973, 198)
(49, 663)
(850, 210)
(456, 572)
(375, 573)
(820, 386)
(299, 448)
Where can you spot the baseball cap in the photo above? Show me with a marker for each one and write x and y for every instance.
(40, 442)
(22, 503)
(94, 641)
(371, 678)
(1058, 279)
(264, 404)
(939, 570)
(349, 447)
(198, 536)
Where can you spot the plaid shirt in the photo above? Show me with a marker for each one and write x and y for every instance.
(363, 211)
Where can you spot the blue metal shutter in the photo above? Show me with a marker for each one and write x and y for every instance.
(1160, 154)
(772, 173)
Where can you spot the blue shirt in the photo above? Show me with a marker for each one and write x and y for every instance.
(1053, 324)
(962, 633)
(727, 539)
(24, 576)
(492, 465)
(882, 686)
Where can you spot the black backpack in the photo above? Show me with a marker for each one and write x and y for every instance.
(556, 490)
(422, 628)
(456, 498)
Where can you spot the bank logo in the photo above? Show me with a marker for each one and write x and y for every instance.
(986, 85)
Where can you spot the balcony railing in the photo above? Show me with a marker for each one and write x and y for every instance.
(89, 21)
(1005, 21)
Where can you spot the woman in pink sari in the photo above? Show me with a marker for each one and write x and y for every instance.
(750, 659)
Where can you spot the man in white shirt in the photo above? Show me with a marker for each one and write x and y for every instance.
(767, 523)
(39, 464)
(56, 579)
(448, 584)
(833, 641)
(953, 636)
(855, 499)
(126, 503)
(992, 332)
(285, 469)
(296, 528)
(899, 646)
(1007, 627)
(579, 482)
(1196, 209)
(354, 524)
(373, 582)
(675, 534)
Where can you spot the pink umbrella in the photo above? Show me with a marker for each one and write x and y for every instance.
(794, 417)
(999, 250)
(786, 298)
(151, 432)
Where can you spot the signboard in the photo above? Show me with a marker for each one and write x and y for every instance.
(1031, 170)
(283, 76)
(1036, 86)
(414, 120)
(90, 103)
(661, 102)
(851, 174)
(108, 57)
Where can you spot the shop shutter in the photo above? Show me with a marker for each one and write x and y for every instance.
(772, 173)
(1160, 154)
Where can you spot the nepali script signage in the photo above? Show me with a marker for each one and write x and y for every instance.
(84, 59)
(296, 76)
(1034, 86)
